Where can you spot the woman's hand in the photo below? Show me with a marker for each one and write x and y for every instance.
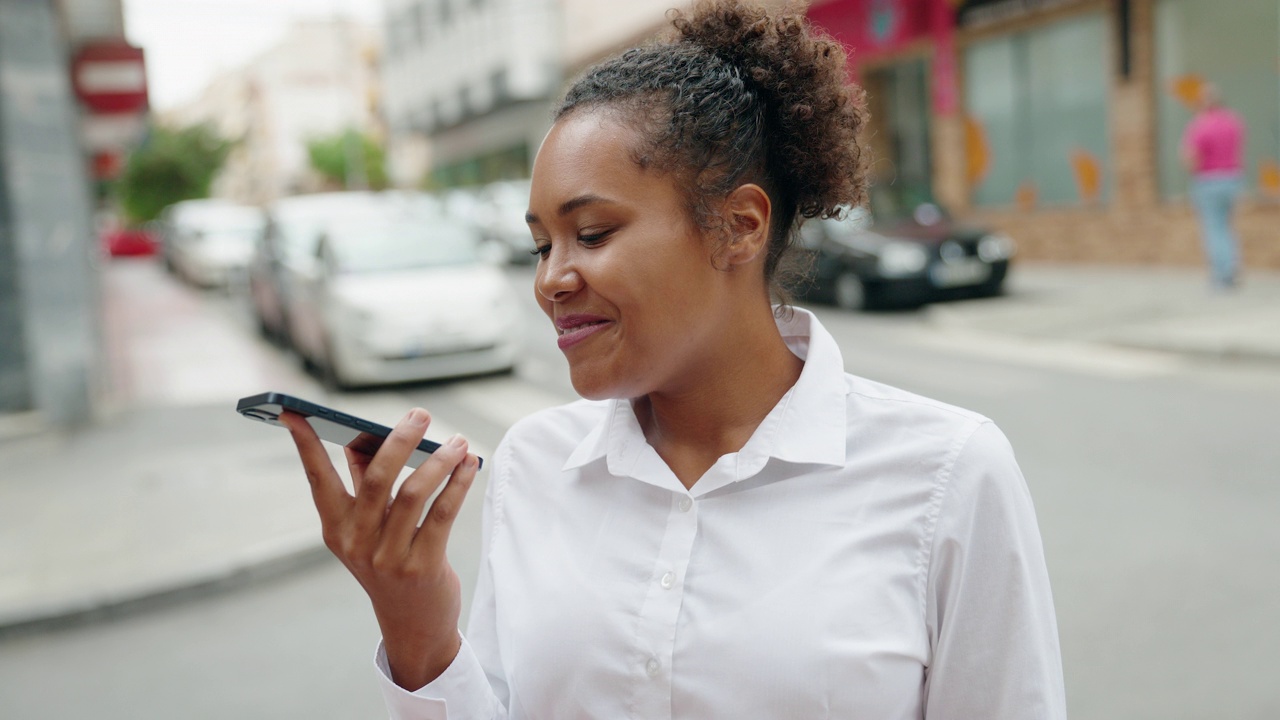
(416, 594)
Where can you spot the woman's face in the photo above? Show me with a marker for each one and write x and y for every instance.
(625, 274)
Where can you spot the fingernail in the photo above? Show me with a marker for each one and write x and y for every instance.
(418, 416)
(457, 441)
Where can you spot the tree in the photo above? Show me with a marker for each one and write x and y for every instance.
(169, 166)
(349, 159)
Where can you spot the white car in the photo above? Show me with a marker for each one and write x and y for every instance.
(399, 295)
(209, 242)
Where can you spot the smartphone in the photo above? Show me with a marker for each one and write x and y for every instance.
(361, 435)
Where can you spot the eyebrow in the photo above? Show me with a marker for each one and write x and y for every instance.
(569, 206)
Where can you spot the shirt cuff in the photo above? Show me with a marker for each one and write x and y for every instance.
(461, 691)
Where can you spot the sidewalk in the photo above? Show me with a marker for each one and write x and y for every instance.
(169, 489)
(171, 492)
(1163, 309)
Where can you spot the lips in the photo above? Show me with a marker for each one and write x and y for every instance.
(575, 328)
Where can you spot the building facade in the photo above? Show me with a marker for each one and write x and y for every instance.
(1059, 121)
(319, 80)
(468, 87)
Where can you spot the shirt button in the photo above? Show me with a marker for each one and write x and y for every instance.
(686, 503)
(668, 580)
(652, 667)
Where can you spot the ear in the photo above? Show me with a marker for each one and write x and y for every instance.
(749, 214)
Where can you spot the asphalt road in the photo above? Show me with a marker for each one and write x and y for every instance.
(1155, 479)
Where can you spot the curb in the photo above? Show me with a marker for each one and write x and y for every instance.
(289, 557)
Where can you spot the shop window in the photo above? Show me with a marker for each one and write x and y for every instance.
(1036, 105)
(1236, 47)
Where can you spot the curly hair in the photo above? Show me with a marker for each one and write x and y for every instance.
(736, 94)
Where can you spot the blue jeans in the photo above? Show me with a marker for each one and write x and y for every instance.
(1214, 198)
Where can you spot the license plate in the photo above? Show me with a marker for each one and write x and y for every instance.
(959, 274)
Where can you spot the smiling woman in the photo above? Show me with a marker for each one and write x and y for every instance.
(728, 525)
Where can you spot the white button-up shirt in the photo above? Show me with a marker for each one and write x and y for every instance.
(867, 554)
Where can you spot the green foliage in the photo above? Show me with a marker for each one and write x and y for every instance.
(330, 157)
(171, 165)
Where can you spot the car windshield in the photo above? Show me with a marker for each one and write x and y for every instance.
(849, 226)
(401, 245)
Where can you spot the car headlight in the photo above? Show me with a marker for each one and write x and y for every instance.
(993, 248)
(901, 258)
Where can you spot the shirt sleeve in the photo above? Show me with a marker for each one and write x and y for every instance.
(989, 609)
(461, 691)
(473, 687)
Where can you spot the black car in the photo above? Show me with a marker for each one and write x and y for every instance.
(899, 260)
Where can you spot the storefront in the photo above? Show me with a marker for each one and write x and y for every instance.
(899, 52)
(1060, 121)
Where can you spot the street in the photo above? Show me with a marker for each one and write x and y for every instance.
(1154, 478)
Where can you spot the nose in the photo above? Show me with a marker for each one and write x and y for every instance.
(558, 277)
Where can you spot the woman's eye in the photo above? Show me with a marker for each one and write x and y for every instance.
(592, 238)
(541, 251)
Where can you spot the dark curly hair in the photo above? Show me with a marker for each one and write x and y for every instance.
(737, 94)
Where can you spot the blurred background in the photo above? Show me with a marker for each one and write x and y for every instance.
(206, 199)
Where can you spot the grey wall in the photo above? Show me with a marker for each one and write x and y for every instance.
(50, 282)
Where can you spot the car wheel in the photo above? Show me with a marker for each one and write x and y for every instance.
(330, 374)
(994, 286)
(850, 292)
(264, 329)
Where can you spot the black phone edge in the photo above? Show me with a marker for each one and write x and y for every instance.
(305, 407)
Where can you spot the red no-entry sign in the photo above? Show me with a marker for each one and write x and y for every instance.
(110, 78)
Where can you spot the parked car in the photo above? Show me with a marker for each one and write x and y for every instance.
(209, 242)
(287, 242)
(503, 222)
(129, 242)
(397, 300)
(899, 259)
(380, 288)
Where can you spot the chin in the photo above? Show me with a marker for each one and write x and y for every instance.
(592, 390)
(594, 386)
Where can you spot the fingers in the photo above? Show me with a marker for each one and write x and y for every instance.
(380, 474)
(402, 519)
(434, 534)
(357, 462)
(330, 496)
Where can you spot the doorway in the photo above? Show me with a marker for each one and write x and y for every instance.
(898, 131)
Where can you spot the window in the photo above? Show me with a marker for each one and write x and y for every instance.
(1236, 47)
(1037, 112)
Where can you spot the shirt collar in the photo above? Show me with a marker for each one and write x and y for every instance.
(807, 426)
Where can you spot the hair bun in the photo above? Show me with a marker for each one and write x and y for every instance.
(815, 113)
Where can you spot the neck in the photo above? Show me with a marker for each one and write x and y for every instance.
(715, 412)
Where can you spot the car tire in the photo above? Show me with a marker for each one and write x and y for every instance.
(850, 291)
(994, 286)
(330, 374)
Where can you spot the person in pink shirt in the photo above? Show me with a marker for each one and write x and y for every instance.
(1213, 149)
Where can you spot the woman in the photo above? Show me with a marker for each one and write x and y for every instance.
(729, 526)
